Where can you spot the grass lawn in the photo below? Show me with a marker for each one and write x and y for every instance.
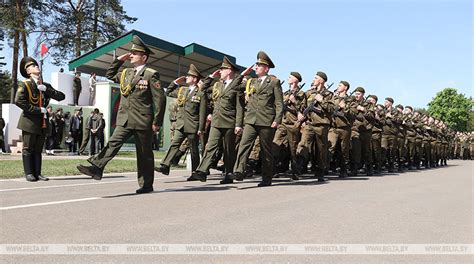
(59, 167)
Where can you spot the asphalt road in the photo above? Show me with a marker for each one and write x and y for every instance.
(422, 207)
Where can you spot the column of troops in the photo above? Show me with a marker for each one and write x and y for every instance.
(259, 129)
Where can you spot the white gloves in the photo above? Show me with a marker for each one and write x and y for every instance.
(43, 110)
(42, 87)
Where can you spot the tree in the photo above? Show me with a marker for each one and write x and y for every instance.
(5, 87)
(451, 107)
(17, 20)
(78, 26)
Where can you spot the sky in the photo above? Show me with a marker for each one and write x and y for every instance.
(408, 50)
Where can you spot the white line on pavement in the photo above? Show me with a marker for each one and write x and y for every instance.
(48, 203)
(78, 184)
(63, 185)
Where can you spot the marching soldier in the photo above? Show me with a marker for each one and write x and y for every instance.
(226, 121)
(264, 112)
(140, 89)
(409, 124)
(362, 134)
(401, 139)
(32, 97)
(319, 113)
(191, 118)
(294, 101)
(418, 139)
(340, 132)
(389, 136)
(377, 133)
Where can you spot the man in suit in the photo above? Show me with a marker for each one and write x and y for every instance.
(264, 112)
(191, 118)
(140, 89)
(32, 97)
(226, 121)
(75, 130)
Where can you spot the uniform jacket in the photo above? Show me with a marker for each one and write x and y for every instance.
(27, 96)
(145, 98)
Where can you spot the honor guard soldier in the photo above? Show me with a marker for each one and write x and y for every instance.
(140, 89)
(32, 97)
(191, 117)
(264, 112)
(226, 120)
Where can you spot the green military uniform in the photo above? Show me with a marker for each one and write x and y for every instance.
(426, 146)
(191, 118)
(265, 106)
(319, 115)
(340, 131)
(401, 140)
(389, 135)
(227, 114)
(173, 115)
(294, 102)
(409, 124)
(377, 137)
(362, 136)
(140, 91)
(33, 120)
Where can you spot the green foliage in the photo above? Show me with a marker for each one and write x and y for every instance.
(453, 108)
(5, 87)
(74, 27)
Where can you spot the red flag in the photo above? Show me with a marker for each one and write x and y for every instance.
(44, 49)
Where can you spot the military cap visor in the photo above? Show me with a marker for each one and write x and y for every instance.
(25, 63)
(390, 99)
(227, 64)
(193, 71)
(263, 58)
(140, 46)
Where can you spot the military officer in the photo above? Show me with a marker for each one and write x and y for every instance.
(32, 97)
(340, 132)
(318, 113)
(226, 120)
(264, 112)
(191, 118)
(140, 89)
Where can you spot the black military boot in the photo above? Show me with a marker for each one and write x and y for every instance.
(37, 161)
(93, 171)
(163, 169)
(369, 169)
(28, 167)
(199, 175)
